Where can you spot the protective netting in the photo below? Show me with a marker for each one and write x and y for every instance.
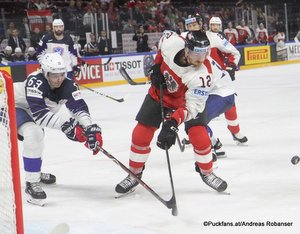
(7, 198)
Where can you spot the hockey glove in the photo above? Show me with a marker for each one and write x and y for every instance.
(231, 71)
(156, 77)
(73, 130)
(94, 138)
(76, 70)
(167, 135)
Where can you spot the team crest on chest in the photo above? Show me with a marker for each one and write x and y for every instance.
(58, 50)
(172, 85)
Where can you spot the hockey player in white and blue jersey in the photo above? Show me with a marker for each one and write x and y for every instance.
(38, 99)
(61, 43)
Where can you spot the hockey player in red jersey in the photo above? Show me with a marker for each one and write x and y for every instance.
(188, 76)
(227, 56)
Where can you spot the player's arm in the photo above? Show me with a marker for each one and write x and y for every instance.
(35, 91)
(84, 127)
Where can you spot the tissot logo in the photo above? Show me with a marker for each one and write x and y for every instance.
(115, 66)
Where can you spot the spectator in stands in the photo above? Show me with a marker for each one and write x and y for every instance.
(279, 39)
(128, 27)
(6, 55)
(180, 28)
(91, 48)
(35, 38)
(31, 54)
(25, 28)
(88, 19)
(231, 34)
(141, 40)
(297, 37)
(18, 56)
(244, 33)
(16, 41)
(10, 28)
(48, 30)
(104, 44)
(261, 34)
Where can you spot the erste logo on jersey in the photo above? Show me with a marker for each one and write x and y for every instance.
(199, 92)
(59, 50)
(172, 85)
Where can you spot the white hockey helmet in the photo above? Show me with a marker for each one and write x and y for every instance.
(57, 22)
(215, 20)
(53, 63)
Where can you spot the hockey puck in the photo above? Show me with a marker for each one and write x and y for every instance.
(295, 160)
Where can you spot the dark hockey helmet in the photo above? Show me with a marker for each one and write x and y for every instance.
(197, 44)
(193, 18)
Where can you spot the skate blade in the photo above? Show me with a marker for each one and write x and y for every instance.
(241, 144)
(120, 195)
(221, 156)
(38, 202)
(225, 193)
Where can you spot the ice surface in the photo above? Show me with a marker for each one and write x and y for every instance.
(264, 185)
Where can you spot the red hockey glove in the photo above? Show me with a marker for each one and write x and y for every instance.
(73, 130)
(93, 138)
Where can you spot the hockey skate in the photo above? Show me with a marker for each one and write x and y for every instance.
(35, 194)
(212, 180)
(240, 139)
(127, 185)
(47, 178)
(217, 151)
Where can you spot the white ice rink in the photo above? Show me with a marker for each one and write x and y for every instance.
(263, 183)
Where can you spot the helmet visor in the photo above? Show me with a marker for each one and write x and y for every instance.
(198, 53)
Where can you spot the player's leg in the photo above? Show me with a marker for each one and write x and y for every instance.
(33, 144)
(216, 145)
(149, 119)
(233, 125)
(199, 138)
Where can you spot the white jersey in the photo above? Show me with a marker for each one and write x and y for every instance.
(42, 103)
(219, 42)
(192, 83)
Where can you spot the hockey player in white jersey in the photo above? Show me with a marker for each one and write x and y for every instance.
(38, 99)
(61, 43)
(227, 56)
(188, 77)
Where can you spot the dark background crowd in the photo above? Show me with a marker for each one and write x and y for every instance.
(131, 16)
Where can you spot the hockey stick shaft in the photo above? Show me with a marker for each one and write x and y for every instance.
(102, 94)
(173, 199)
(168, 204)
(181, 145)
(130, 81)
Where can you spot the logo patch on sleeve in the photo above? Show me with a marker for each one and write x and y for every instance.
(77, 95)
(34, 92)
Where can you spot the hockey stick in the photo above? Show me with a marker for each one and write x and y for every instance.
(128, 78)
(173, 199)
(169, 204)
(102, 94)
(181, 145)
